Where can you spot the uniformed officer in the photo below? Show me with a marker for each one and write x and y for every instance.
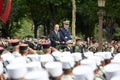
(65, 33)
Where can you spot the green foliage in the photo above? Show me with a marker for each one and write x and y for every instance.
(86, 16)
(117, 33)
(25, 30)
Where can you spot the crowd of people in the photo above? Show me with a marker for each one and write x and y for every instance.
(56, 57)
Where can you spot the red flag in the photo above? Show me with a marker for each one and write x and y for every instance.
(1, 4)
(6, 13)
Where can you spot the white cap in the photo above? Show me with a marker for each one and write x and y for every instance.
(1, 67)
(83, 73)
(90, 63)
(36, 75)
(33, 75)
(88, 54)
(16, 71)
(77, 56)
(115, 77)
(33, 66)
(107, 55)
(111, 70)
(33, 57)
(69, 41)
(99, 54)
(97, 59)
(67, 62)
(54, 68)
(117, 61)
(46, 58)
(117, 56)
(57, 55)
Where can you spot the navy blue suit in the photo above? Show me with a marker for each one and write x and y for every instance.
(65, 34)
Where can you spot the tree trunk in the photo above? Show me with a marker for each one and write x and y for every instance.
(73, 20)
(35, 30)
(44, 29)
(48, 27)
(5, 30)
(53, 13)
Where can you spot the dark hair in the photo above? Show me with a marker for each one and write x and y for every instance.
(1, 51)
(67, 71)
(118, 50)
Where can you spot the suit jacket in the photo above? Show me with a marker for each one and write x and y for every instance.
(65, 35)
(54, 37)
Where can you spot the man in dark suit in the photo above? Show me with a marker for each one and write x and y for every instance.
(55, 36)
(65, 32)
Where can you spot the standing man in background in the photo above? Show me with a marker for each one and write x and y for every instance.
(65, 32)
(55, 36)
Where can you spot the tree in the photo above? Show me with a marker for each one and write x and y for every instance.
(74, 20)
(86, 18)
(18, 11)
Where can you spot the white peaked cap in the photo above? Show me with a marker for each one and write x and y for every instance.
(111, 70)
(67, 62)
(100, 55)
(97, 59)
(1, 67)
(88, 54)
(33, 66)
(115, 77)
(46, 58)
(117, 61)
(90, 63)
(57, 55)
(69, 41)
(34, 57)
(54, 68)
(117, 56)
(83, 73)
(36, 75)
(16, 71)
(77, 56)
(107, 55)
(33, 75)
